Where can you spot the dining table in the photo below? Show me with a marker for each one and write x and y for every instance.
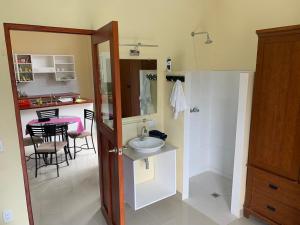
(60, 120)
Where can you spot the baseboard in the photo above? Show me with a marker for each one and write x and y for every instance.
(200, 172)
(178, 195)
(220, 173)
(214, 171)
(241, 213)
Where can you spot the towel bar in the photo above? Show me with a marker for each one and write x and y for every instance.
(175, 78)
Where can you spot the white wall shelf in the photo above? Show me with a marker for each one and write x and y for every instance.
(163, 184)
(27, 65)
(64, 67)
(23, 68)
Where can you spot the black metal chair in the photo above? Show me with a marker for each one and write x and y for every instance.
(88, 116)
(27, 141)
(48, 113)
(50, 146)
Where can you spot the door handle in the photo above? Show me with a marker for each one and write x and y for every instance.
(273, 186)
(116, 150)
(271, 208)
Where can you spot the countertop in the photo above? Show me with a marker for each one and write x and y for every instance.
(53, 104)
(133, 155)
(68, 94)
(50, 100)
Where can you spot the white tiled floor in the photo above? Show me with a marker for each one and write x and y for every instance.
(73, 199)
(202, 187)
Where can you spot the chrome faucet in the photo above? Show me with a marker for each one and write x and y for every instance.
(143, 133)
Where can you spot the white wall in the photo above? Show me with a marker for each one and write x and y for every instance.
(222, 121)
(46, 84)
(199, 130)
(242, 143)
(213, 128)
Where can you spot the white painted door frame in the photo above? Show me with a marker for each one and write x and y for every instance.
(241, 143)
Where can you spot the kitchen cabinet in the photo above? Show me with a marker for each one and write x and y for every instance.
(28, 65)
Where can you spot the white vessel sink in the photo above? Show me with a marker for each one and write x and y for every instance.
(146, 145)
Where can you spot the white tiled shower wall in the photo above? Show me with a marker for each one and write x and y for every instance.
(213, 128)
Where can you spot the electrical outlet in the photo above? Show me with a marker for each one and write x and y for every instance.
(8, 216)
(1, 146)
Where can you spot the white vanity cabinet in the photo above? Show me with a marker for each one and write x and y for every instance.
(162, 183)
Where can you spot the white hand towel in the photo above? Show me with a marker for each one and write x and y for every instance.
(177, 99)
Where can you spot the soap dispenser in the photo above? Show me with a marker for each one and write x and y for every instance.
(144, 130)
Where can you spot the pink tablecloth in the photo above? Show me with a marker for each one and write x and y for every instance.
(60, 120)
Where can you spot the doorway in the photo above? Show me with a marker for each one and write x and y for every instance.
(113, 212)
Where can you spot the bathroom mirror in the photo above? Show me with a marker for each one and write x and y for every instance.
(138, 87)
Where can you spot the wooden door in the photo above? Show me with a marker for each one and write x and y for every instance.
(109, 121)
(275, 125)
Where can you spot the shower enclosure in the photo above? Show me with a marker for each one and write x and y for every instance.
(216, 132)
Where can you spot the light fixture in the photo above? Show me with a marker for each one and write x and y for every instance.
(136, 51)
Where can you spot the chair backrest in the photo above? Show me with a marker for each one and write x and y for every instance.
(48, 113)
(61, 130)
(89, 115)
(48, 132)
(36, 131)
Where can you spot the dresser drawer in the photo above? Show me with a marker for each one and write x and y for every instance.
(274, 210)
(277, 188)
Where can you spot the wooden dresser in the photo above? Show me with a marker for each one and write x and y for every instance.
(273, 179)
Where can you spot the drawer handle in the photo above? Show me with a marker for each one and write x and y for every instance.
(273, 186)
(271, 208)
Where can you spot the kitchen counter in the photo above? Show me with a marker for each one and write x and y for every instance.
(67, 94)
(54, 104)
(50, 100)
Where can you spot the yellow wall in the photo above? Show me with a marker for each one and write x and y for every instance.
(60, 44)
(52, 13)
(149, 22)
(168, 23)
(232, 24)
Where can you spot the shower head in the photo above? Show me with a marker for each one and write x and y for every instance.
(208, 39)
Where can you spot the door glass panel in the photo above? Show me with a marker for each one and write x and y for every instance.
(106, 84)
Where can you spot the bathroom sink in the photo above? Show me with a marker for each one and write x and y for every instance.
(146, 145)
